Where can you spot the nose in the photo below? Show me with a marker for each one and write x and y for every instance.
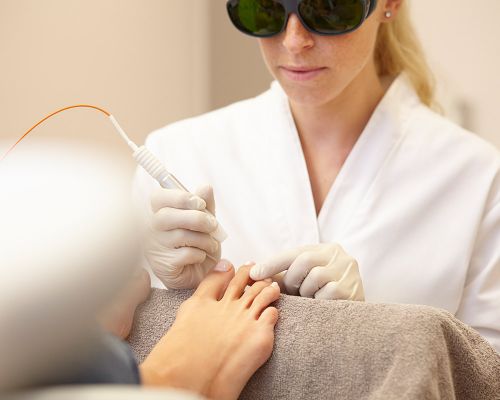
(296, 37)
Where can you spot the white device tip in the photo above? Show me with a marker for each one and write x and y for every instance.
(122, 133)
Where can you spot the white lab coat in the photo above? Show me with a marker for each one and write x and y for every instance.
(417, 202)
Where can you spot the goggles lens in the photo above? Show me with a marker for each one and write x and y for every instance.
(257, 17)
(332, 17)
(264, 18)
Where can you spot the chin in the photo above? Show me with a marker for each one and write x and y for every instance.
(309, 95)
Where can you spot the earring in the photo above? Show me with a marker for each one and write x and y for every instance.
(388, 14)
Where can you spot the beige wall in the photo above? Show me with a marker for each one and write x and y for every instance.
(238, 71)
(151, 62)
(461, 39)
(139, 59)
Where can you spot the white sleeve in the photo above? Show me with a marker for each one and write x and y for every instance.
(480, 305)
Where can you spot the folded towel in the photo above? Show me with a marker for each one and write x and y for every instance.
(353, 350)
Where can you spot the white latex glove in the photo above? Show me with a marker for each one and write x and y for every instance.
(323, 271)
(180, 240)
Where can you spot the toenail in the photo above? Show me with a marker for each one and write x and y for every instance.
(222, 266)
(249, 264)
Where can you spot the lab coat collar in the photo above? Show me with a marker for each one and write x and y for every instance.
(381, 135)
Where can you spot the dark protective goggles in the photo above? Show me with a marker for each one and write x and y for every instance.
(266, 18)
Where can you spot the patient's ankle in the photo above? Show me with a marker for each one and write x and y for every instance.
(174, 374)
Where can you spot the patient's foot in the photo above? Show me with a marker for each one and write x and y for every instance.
(220, 337)
(118, 317)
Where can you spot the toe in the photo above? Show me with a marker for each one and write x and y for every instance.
(252, 292)
(215, 283)
(264, 298)
(269, 316)
(237, 286)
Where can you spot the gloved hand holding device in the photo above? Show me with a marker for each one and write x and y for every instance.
(185, 240)
(181, 250)
(323, 271)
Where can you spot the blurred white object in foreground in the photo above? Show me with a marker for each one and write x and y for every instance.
(68, 240)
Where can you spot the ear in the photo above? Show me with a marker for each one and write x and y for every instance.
(387, 10)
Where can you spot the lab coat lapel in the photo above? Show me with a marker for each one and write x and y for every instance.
(364, 163)
(290, 179)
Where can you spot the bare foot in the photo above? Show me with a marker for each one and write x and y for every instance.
(220, 337)
(118, 317)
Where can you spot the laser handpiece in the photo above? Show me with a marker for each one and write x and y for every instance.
(141, 154)
(156, 169)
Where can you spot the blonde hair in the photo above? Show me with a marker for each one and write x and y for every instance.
(398, 50)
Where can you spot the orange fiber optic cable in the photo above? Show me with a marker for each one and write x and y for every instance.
(50, 116)
(141, 154)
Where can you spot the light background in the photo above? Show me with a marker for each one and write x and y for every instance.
(151, 62)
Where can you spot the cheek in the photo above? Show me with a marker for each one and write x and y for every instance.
(270, 50)
(350, 53)
(349, 59)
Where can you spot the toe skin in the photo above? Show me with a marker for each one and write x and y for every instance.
(264, 299)
(269, 316)
(215, 283)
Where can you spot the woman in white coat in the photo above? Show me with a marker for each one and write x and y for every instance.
(341, 163)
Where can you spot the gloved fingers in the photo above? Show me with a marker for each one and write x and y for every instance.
(345, 279)
(332, 291)
(251, 292)
(206, 193)
(187, 256)
(163, 268)
(237, 286)
(215, 283)
(274, 265)
(269, 316)
(267, 296)
(177, 238)
(349, 287)
(315, 280)
(171, 218)
(301, 267)
(175, 198)
(337, 262)
(182, 268)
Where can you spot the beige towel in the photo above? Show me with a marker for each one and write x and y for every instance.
(350, 350)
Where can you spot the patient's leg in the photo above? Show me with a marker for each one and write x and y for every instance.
(117, 318)
(220, 337)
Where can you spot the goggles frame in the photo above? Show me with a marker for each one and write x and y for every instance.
(292, 7)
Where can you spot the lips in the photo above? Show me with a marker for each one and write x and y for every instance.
(301, 69)
(301, 73)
